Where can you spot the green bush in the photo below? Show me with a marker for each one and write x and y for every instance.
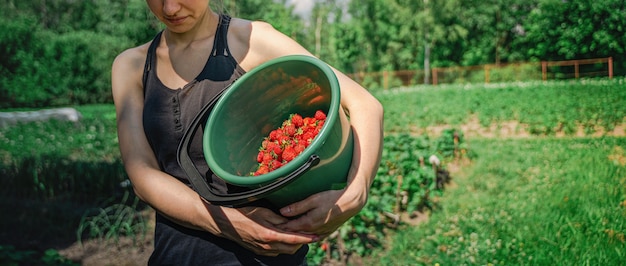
(71, 68)
(86, 57)
(18, 44)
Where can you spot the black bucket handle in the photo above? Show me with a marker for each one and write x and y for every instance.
(200, 184)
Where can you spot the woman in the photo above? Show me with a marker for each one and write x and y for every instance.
(158, 87)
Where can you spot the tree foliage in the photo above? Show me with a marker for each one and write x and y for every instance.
(276, 13)
(59, 52)
(576, 29)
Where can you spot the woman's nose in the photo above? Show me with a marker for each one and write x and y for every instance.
(170, 7)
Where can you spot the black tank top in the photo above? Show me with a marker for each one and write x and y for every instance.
(167, 114)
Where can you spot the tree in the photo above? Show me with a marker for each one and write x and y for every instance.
(438, 25)
(275, 12)
(575, 29)
(494, 27)
(374, 19)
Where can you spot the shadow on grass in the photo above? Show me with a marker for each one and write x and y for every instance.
(44, 198)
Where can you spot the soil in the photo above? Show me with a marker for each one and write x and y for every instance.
(127, 251)
(515, 129)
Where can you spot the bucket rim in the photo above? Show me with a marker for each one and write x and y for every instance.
(332, 117)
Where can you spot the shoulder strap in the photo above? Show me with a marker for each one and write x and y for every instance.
(220, 45)
(150, 58)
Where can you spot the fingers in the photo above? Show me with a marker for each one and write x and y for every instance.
(260, 234)
(300, 207)
(271, 242)
(304, 223)
(291, 238)
(270, 233)
(278, 249)
(319, 214)
(263, 214)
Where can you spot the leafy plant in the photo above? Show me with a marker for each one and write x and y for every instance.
(407, 180)
(111, 222)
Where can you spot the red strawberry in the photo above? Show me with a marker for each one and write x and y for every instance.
(267, 157)
(308, 121)
(263, 169)
(308, 137)
(264, 143)
(319, 115)
(289, 154)
(284, 140)
(320, 123)
(299, 148)
(285, 143)
(290, 129)
(297, 120)
(276, 164)
(259, 157)
(275, 134)
(274, 147)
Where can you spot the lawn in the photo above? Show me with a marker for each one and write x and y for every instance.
(531, 201)
(546, 184)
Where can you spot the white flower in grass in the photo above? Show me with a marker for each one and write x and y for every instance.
(434, 160)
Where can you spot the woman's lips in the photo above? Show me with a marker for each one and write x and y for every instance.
(176, 20)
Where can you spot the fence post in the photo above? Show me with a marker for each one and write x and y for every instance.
(486, 73)
(434, 70)
(576, 72)
(385, 79)
(610, 67)
(544, 70)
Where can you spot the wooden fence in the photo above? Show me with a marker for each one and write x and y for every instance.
(544, 70)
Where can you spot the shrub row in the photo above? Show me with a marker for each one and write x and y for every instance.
(41, 68)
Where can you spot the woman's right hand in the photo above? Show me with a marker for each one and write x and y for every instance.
(255, 229)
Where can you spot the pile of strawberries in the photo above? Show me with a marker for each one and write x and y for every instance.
(288, 141)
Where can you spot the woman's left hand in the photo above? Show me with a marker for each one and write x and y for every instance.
(322, 213)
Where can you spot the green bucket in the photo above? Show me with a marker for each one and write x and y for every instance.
(259, 102)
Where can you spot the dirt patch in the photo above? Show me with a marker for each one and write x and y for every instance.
(125, 251)
(515, 129)
(618, 156)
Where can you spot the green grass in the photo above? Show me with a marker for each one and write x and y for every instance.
(92, 139)
(544, 107)
(526, 202)
(532, 201)
(538, 200)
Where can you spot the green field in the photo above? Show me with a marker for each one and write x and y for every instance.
(546, 197)
(538, 178)
(535, 201)
(541, 108)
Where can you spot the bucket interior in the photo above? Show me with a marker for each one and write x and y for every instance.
(258, 103)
